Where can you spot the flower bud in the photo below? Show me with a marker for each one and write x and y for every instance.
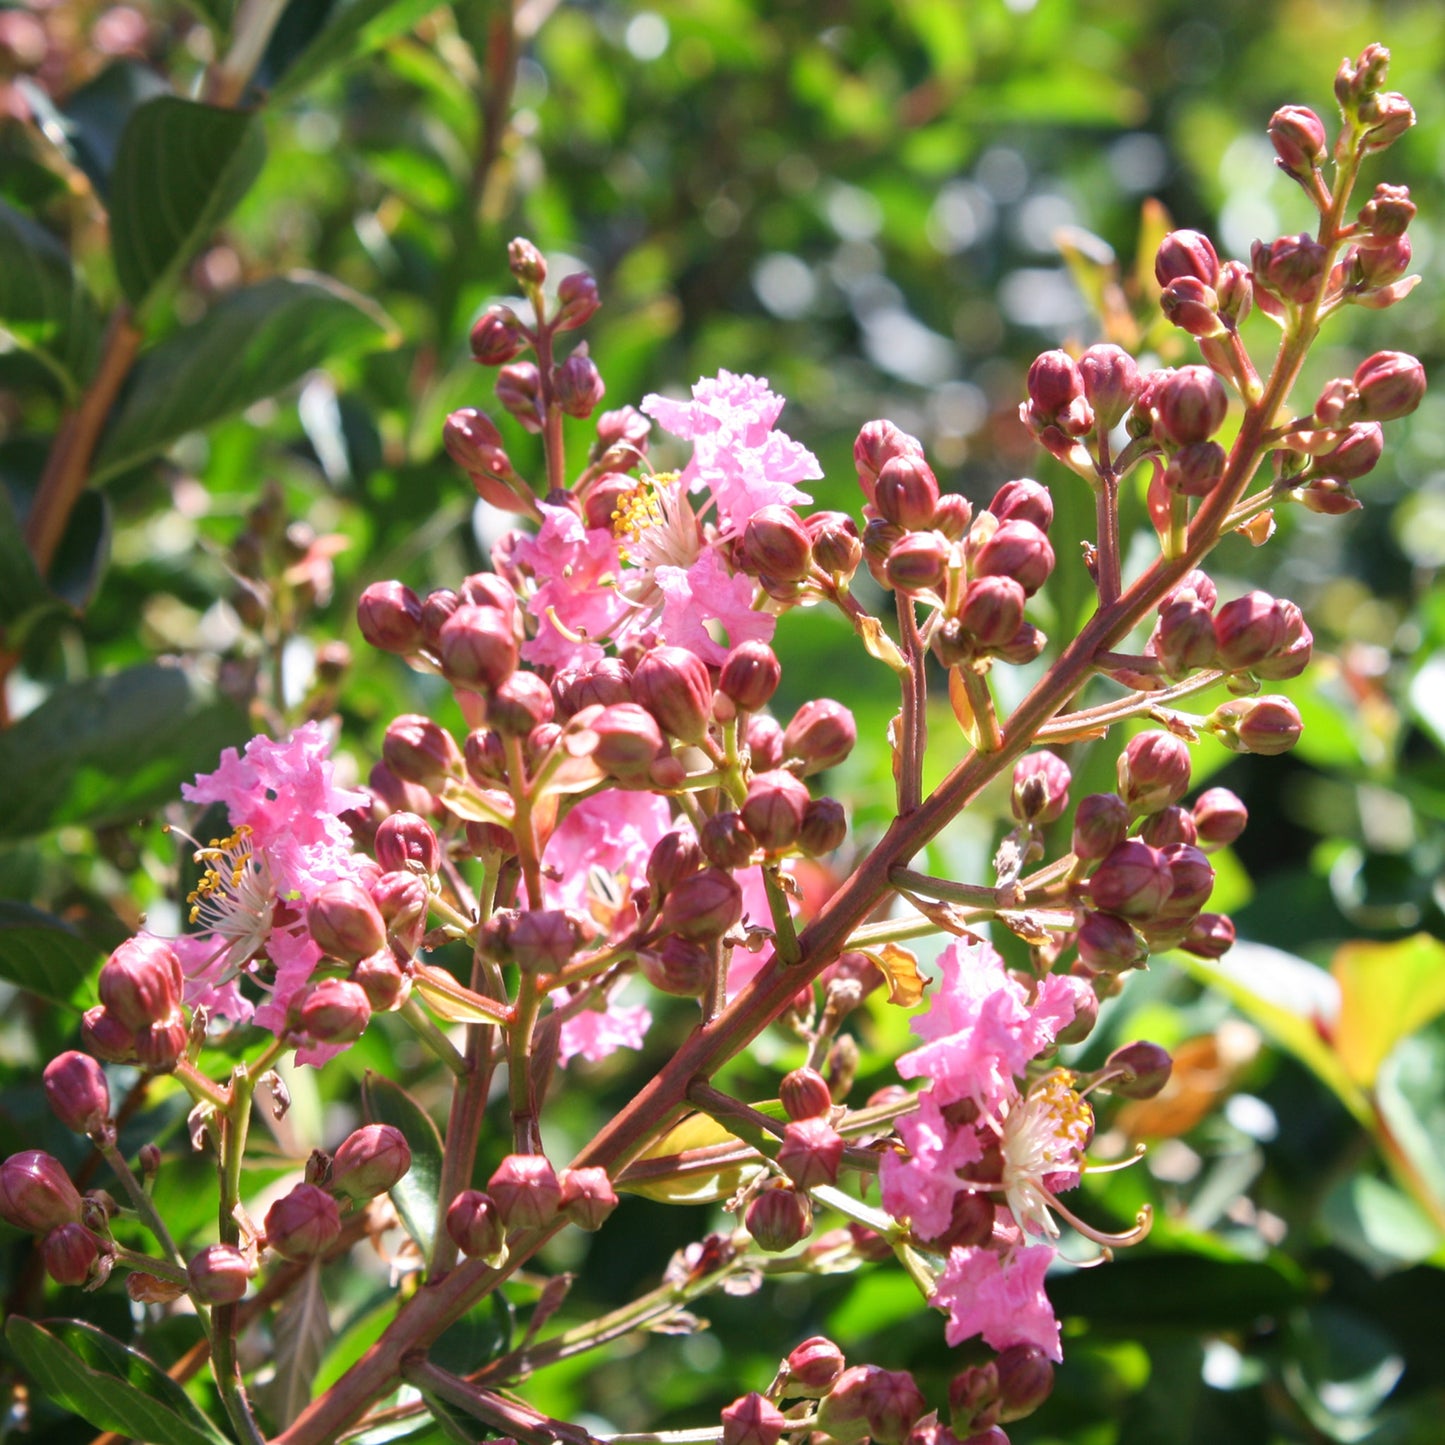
(420, 751)
(627, 740)
(952, 515)
(382, 978)
(407, 843)
(1195, 471)
(779, 1218)
(1220, 817)
(837, 548)
(774, 807)
(1355, 455)
(810, 1153)
(992, 610)
(1133, 881)
(805, 1094)
(1298, 137)
(478, 647)
(876, 445)
(369, 1161)
(577, 301)
(674, 857)
(1109, 945)
(76, 1090)
(219, 1274)
(1385, 117)
(1169, 825)
(674, 685)
(1191, 404)
(750, 675)
(906, 492)
(1292, 655)
(1183, 638)
(1186, 253)
(604, 684)
(776, 544)
(390, 617)
(1211, 935)
(1235, 290)
(1040, 788)
(1291, 268)
(36, 1193)
(824, 827)
(1078, 1028)
(813, 1368)
(1017, 550)
(973, 1401)
(344, 922)
(1153, 771)
(1025, 1380)
(578, 384)
(726, 841)
(1248, 630)
(335, 1011)
(821, 734)
(1144, 1069)
(1262, 725)
(1193, 882)
(1101, 823)
(140, 983)
(1390, 384)
(1388, 212)
(525, 262)
(543, 940)
(892, 1404)
(158, 1047)
(1056, 388)
(1376, 267)
(497, 336)
(520, 705)
(1193, 307)
(677, 967)
(519, 389)
(752, 1420)
(106, 1037)
(475, 1225)
(70, 1253)
(302, 1224)
(587, 1197)
(526, 1191)
(918, 562)
(1024, 500)
(764, 739)
(702, 907)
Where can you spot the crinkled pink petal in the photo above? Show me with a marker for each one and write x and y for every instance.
(743, 406)
(1000, 1297)
(613, 830)
(576, 568)
(596, 1033)
(921, 1186)
(704, 593)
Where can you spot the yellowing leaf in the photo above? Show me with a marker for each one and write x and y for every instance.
(474, 805)
(877, 643)
(962, 707)
(697, 1161)
(451, 1001)
(905, 982)
(1387, 990)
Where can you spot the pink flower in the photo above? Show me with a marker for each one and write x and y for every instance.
(703, 594)
(999, 1296)
(595, 1033)
(921, 1186)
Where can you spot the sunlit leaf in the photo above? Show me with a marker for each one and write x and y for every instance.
(415, 1193)
(1387, 991)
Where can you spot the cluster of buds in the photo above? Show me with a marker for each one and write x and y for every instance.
(525, 1193)
(1254, 638)
(37, 1195)
(139, 1019)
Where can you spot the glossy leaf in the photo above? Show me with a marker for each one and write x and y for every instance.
(106, 1384)
(251, 345)
(41, 953)
(319, 37)
(415, 1193)
(1387, 991)
(23, 593)
(302, 1331)
(90, 127)
(180, 169)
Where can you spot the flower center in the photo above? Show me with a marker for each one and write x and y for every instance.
(236, 896)
(1044, 1135)
(655, 526)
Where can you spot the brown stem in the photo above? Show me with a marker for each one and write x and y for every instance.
(914, 718)
(1110, 578)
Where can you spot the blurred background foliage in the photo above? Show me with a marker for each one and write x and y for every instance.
(886, 207)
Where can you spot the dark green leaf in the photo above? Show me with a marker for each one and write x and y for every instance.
(415, 1195)
(112, 1387)
(319, 36)
(180, 169)
(23, 593)
(42, 954)
(251, 345)
(95, 116)
(302, 1331)
(218, 14)
(43, 305)
(106, 749)
(84, 548)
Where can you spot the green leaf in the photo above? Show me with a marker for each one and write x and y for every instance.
(112, 1387)
(43, 304)
(1382, 1227)
(42, 954)
(84, 549)
(181, 168)
(106, 749)
(252, 344)
(319, 37)
(415, 1194)
(95, 116)
(1387, 991)
(23, 593)
(302, 1331)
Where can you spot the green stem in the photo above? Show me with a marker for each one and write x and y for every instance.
(434, 1039)
(144, 1205)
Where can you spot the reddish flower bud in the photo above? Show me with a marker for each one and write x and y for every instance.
(1263, 725)
(1153, 771)
(1292, 655)
(810, 1153)
(892, 1404)
(369, 1161)
(779, 1218)
(70, 1254)
(824, 827)
(1195, 471)
(1291, 268)
(1376, 267)
(776, 544)
(344, 922)
(577, 301)
(1183, 638)
(603, 684)
(752, 1420)
(750, 675)
(677, 967)
(805, 1094)
(420, 751)
(674, 685)
(76, 1090)
(335, 1011)
(1109, 945)
(1025, 1380)
(1193, 307)
(951, 516)
(1235, 290)
(1169, 825)
(525, 262)
(821, 734)
(906, 491)
(1078, 1028)
(383, 979)
(1143, 1070)
(877, 444)
(837, 548)
(726, 841)
(1390, 384)
(497, 336)
(764, 740)
(407, 843)
(475, 1225)
(477, 646)
(1193, 882)
(627, 740)
(390, 617)
(1386, 117)
(1111, 386)
(519, 389)
(302, 1224)
(1133, 881)
(587, 1197)
(1024, 500)
(526, 1191)
(992, 610)
(1191, 404)
(1388, 213)
(1017, 550)
(543, 940)
(917, 562)
(1040, 788)
(1250, 629)
(219, 1274)
(702, 907)
(106, 1037)
(1298, 136)
(577, 384)
(1211, 935)
(158, 1047)
(1220, 817)
(36, 1193)
(1101, 823)
(674, 857)
(813, 1368)
(1055, 385)
(140, 983)
(973, 1397)
(520, 705)
(1186, 253)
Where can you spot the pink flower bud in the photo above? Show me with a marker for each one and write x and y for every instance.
(726, 841)
(821, 734)
(1249, 629)
(1386, 117)
(1293, 654)
(1390, 384)
(219, 1274)
(1111, 386)
(824, 828)
(1109, 945)
(774, 808)
(1040, 788)
(382, 977)
(521, 704)
(627, 740)
(526, 1191)
(140, 983)
(1193, 307)
(811, 1152)
(344, 922)
(1191, 404)
(752, 1420)
(420, 751)
(1220, 817)
(1017, 550)
(477, 647)
(917, 562)
(1193, 882)
(1355, 455)
(1133, 881)
(1025, 1380)
(519, 389)
(1169, 825)
(407, 843)
(1388, 212)
(674, 856)
(892, 1404)
(776, 544)
(1186, 253)
(542, 941)
(587, 1197)
(764, 738)
(837, 548)
(369, 1161)
(302, 1224)
(805, 1094)
(1298, 136)
(76, 1090)
(1263, 725)
(813, 1368)
(70, 1254)
(335, 1011)
(1144, 1069)
(1235, 290)
(1291, 268)
(952, 516)
(525, 262)
(906, 491)
(677, 967)
(1376, 267)
(158, 1047)
(750, 675)
(578, 384)
(1078, 1028)
(877, 444)
(779, 1218)
(36, 1193)
(702, 907)
(1195, 471)
(1101, 823)
(605, 683)
(973, 1401)
(497, 336)
(992, 610)
(390, 617)
(1183, 638)
(1211, 935)
(475, 1225)
(106, 1037)
(674, 685)
(1054, 385)
(1153, 771)
(577, 301)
